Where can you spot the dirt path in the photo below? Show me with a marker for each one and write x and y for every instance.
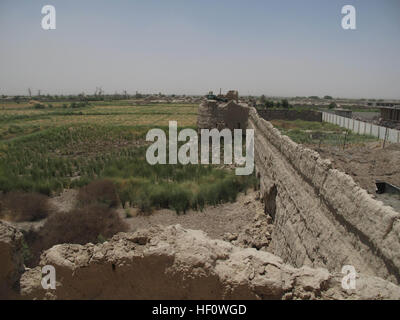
(243, 222)
(66, 201)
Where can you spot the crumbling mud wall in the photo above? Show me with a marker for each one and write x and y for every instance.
(321, 217)
(213, 114)
(174, 263)
(207, 115)
(234, 115)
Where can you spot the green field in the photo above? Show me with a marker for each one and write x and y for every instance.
(53, 148)
(23, 119)
(319, 133)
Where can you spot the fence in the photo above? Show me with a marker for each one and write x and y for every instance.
(364, 128)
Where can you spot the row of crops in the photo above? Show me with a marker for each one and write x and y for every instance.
(71, 156)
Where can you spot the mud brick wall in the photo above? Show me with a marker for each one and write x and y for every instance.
(306, 115)
(176, 263)
(322, 218)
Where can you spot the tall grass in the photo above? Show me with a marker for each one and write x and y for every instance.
(53, 159)
(179, 187)
(147, 194)
(72, 156)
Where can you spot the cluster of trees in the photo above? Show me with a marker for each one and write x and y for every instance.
(266, 103)
(317, 98)
(97, 96)
(332, 105)
(74, 105)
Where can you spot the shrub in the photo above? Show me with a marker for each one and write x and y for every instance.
(98, 192)
(180, 199)
(81, 104)
(26, 253)
(160, 195)
(78, 226)
(14, 129)
(82, 225)
(39, 106)
(199, 200)
(143, 203)
(20, 206)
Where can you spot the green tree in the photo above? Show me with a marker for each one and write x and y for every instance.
(285, 104)
(269, 104)
(17, 99)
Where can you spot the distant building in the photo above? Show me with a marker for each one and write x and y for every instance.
(219, 114)
(233, 95)
(379, 104)
(390, 113)
(386, 104)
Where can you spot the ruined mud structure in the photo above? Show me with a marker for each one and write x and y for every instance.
(173, 263)
(230, 115)
(322, 218)
(322, 221)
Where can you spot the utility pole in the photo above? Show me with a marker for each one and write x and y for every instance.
(345, 138)
(386, 137)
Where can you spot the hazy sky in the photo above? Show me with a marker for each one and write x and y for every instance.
(285, 47)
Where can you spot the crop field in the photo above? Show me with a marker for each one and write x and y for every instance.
(320, 133)
(21, 119)
(56, 147)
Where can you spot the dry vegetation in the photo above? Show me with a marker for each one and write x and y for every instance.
(94, 224)
(98, 192)
(19, 206)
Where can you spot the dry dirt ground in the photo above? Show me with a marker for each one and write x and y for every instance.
(243, 222)
(66, 201)
(366, 164)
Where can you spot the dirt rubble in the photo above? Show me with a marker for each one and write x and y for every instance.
(176, 263)
(367, 163)
(243, 222)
